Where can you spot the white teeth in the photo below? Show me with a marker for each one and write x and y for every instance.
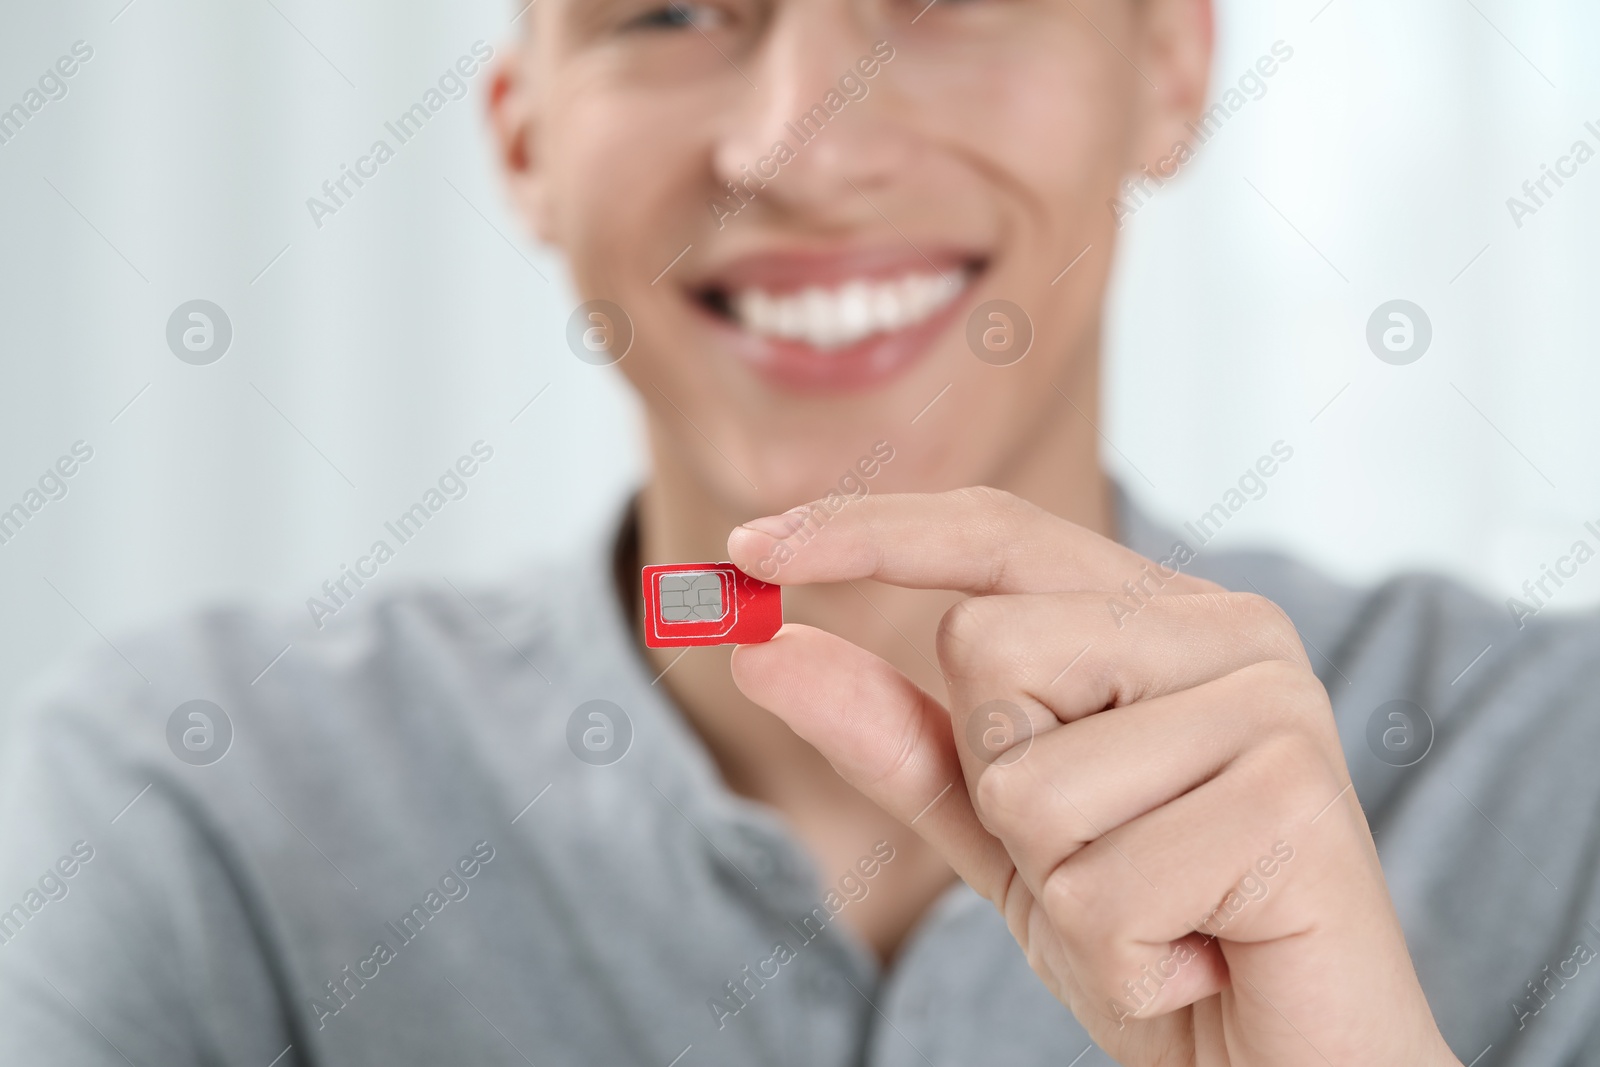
(887, 308)
(854, 310)
(819, 317)
(830, 318)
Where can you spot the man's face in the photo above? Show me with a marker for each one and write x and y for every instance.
(803, 207)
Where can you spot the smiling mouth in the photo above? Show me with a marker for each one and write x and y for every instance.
(833, 317)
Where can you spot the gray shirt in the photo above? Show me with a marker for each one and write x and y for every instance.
(422, 844)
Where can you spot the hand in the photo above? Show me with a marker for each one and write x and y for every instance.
(1155, 799)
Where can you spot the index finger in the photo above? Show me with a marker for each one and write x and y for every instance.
(979, 541)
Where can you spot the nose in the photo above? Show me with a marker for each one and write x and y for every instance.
(822, 128)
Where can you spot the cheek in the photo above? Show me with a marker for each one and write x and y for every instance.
(1045, 112)
(1045, 137)
(627, 174)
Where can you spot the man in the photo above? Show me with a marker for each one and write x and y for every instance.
(1022, 782)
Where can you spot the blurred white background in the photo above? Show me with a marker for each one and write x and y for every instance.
(368, 354)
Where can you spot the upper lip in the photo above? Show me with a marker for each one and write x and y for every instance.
(798, 269)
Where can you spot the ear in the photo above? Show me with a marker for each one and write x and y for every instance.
(513, 115)
(1174, 52)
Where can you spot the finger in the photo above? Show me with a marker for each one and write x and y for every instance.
(883, 734)
(1075, 654)
(1015, 670)
(976, 540)
(1286, 881)
(1080, 783)
(1239, 859)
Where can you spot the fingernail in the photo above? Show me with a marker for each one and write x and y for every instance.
(779, 526)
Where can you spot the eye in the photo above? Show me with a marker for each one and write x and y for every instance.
(678, 16)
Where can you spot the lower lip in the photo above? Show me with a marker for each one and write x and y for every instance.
(869, 362)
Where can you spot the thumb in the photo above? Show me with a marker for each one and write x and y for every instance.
(883, 734)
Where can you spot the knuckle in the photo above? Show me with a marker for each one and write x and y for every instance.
(1284, 686)
(1276, 766)
(1256, 609)
(1078, 887)
(1300, 697)
(1003, 798)
(970, 639)
(901, 760)
(998, 518)
(1270, 623)
(1292, 752)
(1289, 704)
(1082, 913)
(990, 498)
(1291, 774)
(958, 628)
(1094, 683)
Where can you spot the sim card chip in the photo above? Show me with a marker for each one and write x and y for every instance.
(691, 596)
(708, 604)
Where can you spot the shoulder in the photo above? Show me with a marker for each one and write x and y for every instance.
(1423, 634)
(1418, 636)
(277, 674)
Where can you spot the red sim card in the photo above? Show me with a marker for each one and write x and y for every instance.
(708, 604)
